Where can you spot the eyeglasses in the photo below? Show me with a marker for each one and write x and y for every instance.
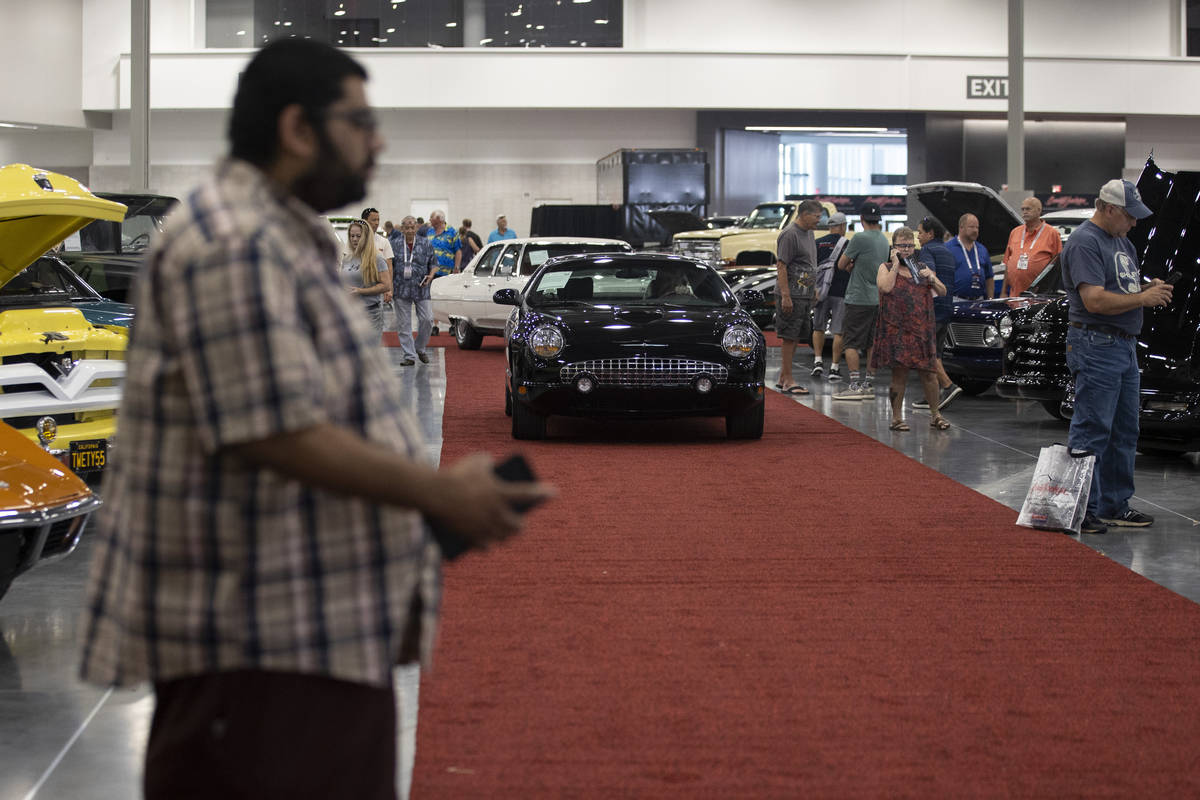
(903, 245)
(363, 119)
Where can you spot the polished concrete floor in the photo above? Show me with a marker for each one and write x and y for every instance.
(60, 738)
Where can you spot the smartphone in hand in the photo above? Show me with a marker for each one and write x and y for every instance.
(513, 468)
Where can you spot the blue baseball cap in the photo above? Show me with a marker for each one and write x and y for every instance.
(1125, 194)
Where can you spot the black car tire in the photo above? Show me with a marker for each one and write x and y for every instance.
(972, 386)
(10, 555)
(527, 424)
(508, 404)
(746, 424)
(1054, 408)
(467, 337)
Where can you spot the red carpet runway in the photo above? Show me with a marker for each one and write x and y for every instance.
(811, 615)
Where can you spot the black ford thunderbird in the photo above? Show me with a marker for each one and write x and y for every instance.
(635, 336)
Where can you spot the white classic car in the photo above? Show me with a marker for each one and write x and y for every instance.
(463, 301)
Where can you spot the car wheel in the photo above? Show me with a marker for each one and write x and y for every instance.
(526, 423)
(1053, 408)
(10, 554)
(467, 337)
(507, 402)
(971, 386)
(746, 424)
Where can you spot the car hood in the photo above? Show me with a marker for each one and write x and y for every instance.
(1168, 241)
(38, 209)
(31, 479)
(647, 328)
(678, 221)
(106, 312)
(949, 200)
(995, 308)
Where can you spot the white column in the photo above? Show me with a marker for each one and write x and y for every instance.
(474, 23)
(139, 97)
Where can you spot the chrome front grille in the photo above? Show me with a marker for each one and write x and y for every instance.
(707, 250)
(967, 335)
(645, 371)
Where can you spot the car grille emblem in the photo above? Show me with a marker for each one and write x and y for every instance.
(53, 336)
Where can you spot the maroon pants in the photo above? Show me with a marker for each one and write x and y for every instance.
(262, 735)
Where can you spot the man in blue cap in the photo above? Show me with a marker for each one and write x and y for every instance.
(1106, 296)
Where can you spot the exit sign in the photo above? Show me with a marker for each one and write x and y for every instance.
(987, 87)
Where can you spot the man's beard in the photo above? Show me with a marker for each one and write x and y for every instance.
(331, 183)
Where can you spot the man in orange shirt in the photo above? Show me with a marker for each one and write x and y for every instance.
(1030, 248)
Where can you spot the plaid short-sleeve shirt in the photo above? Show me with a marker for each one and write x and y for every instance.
(203, 562)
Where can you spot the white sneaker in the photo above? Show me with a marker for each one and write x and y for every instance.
(851, 392)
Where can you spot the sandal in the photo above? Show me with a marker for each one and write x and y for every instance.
(939, 423)
(794, 389)
(899, 425)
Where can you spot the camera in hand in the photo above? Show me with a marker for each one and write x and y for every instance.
(514, 468)
(1175, 277)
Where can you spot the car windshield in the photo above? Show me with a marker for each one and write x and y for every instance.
(626, 282)
(771, 215)
(143, 220)
(1048, 281)
(46, 279)
(537, 254)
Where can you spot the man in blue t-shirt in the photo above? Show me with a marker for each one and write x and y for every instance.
(502, 230)
(973, 279)
(1105, 295)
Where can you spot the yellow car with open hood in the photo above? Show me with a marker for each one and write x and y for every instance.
(60, 373)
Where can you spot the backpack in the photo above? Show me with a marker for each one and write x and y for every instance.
(826, 269)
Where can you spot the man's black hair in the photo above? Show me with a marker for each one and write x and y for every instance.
(282, 73)
(369, 211)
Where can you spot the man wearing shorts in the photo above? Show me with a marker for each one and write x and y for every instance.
(867, 250)
(795, 286)
(831, 307)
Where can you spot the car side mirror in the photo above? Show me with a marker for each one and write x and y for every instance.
(750, 298)
(507, 297)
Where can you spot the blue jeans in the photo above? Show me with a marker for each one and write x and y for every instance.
(1106, 414)
(404, 325)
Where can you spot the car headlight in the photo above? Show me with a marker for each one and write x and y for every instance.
(1006, 326)
(546, 341)
(739, 341)
(991, 336)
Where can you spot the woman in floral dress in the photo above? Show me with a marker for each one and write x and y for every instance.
(905, 327)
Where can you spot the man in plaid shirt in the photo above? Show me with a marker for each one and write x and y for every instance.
(261, 557)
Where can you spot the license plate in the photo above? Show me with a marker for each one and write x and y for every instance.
(89, 455)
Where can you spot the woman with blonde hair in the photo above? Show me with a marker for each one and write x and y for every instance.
(365, 273)
(904, 330)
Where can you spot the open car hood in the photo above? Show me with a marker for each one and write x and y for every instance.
(678, 221)
(949, 200)
(39, 209)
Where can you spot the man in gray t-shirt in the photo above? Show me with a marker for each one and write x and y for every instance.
(867, 250)
(795, 287)
(1106, 296)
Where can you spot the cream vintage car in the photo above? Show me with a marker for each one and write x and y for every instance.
(751, 243)
(463, 301)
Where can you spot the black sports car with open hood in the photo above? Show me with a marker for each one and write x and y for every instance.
(632, 335)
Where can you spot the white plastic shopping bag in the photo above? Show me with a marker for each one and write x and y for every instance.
(1058, 495)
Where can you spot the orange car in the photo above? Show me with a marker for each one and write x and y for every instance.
(43, 505)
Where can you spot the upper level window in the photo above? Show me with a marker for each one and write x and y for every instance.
(416, 23)
(1193, 27)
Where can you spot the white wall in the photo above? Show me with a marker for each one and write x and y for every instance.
(40, 44)
(1175, 142)
(486, 162)
(1097, 28)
